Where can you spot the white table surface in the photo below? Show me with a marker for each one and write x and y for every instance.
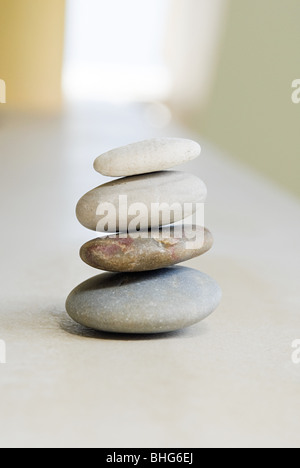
(227, 382)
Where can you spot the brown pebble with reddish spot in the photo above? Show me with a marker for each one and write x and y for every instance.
(158, 250)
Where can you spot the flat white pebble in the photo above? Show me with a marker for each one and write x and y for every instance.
(147, 156)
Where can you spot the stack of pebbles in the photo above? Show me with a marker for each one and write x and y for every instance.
(144, 292)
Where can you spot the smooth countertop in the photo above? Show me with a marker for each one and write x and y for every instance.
(227, 382)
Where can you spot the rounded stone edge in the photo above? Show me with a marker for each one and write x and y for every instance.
(100, 168)
(85, 204)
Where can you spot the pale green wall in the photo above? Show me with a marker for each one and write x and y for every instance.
(251, 114)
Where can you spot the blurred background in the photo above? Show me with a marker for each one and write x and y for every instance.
(222, 68)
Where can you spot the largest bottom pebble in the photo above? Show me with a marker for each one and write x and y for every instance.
(150, 302)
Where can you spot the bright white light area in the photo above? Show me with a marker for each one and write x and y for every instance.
(115, 50)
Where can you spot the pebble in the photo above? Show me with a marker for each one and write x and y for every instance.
(157, 250)
(144, 303)
(166, 187)
(147, 156)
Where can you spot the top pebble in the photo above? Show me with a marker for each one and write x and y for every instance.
(147, 156)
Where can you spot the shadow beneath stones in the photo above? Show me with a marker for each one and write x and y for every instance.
(68, 326)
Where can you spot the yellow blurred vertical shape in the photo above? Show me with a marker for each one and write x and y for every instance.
(31, 52)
